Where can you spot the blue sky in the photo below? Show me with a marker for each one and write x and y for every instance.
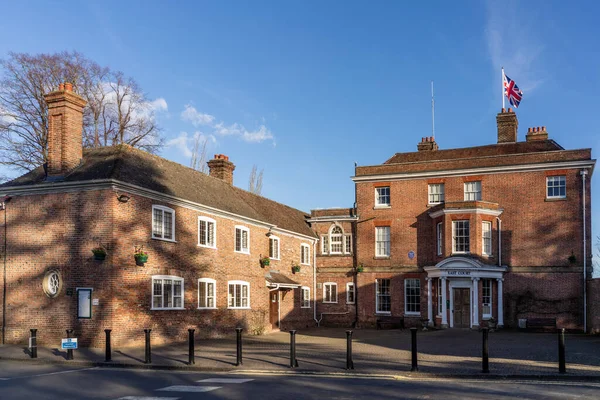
(305, 89)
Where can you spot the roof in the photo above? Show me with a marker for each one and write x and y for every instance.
(275, 278)
(495, 155)
(477, 151)
(137, 167)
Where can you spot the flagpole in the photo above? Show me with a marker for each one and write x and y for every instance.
(432, 113)
(503, 88)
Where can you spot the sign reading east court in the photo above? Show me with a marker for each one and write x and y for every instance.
(459, 272)
(69, 344)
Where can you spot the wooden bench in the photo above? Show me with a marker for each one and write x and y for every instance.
(390, 322)
(541, 323)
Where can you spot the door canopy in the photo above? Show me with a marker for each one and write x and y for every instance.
(464, 267)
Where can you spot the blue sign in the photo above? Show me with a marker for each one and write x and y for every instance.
(69, 344)
(411, 254)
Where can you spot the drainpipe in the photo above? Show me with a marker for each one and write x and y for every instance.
(583, 175)
(355, 252)
(3, 206)
(315, 281)
(499, 241)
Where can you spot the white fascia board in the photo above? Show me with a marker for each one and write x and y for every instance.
(332, 219)
(483, 211)
(477, 171)
(66, 187)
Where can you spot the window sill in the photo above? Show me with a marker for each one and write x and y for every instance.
(412, 314)
(434, 204)
(242, 252)
(164, 240)
(384, 313)
(550, 199)
(461, 252)
(207, 247)
(330, 302)
(381, 258)
(305, 264)
(382, 207)
(306, 307)
(486, 318)
(238, 308)
(350, 302)
(274, 259)
(207, 308)
(167, 309)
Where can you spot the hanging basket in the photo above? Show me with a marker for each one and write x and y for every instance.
(141, 259)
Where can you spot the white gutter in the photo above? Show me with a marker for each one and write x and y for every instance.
(499, 241)
(583, 175)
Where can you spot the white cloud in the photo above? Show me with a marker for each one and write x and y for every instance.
(195, 117)
(159, 104)
(181, 142)
(512, 44)
(258, 135)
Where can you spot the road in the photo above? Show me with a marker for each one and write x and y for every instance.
(28, 381)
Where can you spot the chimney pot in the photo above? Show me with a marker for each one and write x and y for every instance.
(61, 87)
(68, 87)
(503, 109)
(543, 129)
(510, 110)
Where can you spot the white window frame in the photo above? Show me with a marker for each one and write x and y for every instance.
(439, 232)
(485, 315)
(386, 248)
(377, 295)
(163, 209)
(432, 194)
(339, 242)
(347, 243)
(305, 254)
(454, 237)
(440, 308)
(324, 244)
(81, 315)
(486, 238)
(473, 191)
(305, 299)
(381, 197)
(330, 284)
(163, 278)
(274, 250)
(242, 284)
(406, 303)
(350, 288)
(241, 228)
(561, 181)
(208, 222)
(206, 296)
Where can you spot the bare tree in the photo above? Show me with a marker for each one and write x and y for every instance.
(256, 180)
(117, 111)
(198, 161)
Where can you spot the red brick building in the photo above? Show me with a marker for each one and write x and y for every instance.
(218, 256)
(456, 237)
(451, 238)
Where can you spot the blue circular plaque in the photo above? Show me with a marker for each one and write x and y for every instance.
(411, 254)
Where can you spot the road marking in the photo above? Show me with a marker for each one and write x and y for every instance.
(49, 373)
(224, 380)
(147, 398)
(184, 388)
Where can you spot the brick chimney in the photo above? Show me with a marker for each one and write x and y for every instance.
(427, 144)
(536, 133)
(220, 167)
(65, 127)
(507, 126)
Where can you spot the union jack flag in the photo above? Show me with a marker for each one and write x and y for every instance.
(512, 92)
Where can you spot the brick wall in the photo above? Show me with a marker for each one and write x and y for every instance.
(59, 230)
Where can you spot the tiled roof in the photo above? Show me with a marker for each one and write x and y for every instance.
(137, 167)
(277, 278)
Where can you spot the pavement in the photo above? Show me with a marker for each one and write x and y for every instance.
(385, 353)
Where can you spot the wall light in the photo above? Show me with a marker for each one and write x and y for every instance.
(123, 198)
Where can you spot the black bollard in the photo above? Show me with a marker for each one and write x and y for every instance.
(349, 362)
(413, 334)
(108, 352)
(191, 351)
(33, 343)
(293, 361)
(238, 332)
(69, 351)
(485, 366)
(148, 348)
(562, 368)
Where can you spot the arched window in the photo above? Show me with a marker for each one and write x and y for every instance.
(336, 241)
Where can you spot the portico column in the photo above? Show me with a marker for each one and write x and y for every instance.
(475, 302)
(444, 301)
(429, 302)
(500, 304)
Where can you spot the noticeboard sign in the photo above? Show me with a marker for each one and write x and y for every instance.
(69, 344)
